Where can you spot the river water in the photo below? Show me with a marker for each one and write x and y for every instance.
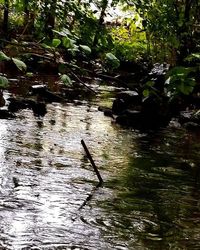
(48, 194)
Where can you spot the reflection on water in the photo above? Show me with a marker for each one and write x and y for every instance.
(150, 199)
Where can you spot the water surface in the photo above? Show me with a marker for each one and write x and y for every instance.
(150, 198)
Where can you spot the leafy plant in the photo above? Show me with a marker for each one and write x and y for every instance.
(3, 56)
(180, 81)
(19, 64)
(149, 89)
(56, 42)
(86, 49)
(3, 82)
(69, 41)
(111, 61)
(66, 80)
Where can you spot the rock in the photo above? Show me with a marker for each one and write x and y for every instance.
(2, 100)
(157, 75)
(37, 89)
(153, 113)
(189, 116)
(156, 111)
(130, 118)
(15, 182)
(6, 114)
(124, 100)
(185, 116)
(39, 108)
(118, 106)
(150, 105)
(192, 126)
(44, 93)
(106, 111)
(16, 104)
(129, 96)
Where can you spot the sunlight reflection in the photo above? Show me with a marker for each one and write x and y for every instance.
(3, 131)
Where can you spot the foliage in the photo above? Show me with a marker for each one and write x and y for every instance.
(180, 81)
(130, 39)
(86, 49)
(170, 27)
(158, 29)
(20, 65)
(66, 80)
(111, 61)
(194, 57)
(149, 89)
(148, 30)
(56, 42)
(4, 57)
(3, 82)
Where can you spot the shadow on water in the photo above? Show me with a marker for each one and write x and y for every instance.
(150, 198)
(158, 192)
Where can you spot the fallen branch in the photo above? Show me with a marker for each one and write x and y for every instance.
(112, 78)
(92, 162)
(80, 81)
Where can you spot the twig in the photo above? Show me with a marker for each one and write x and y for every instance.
(92, 162)
(83, 83)
(21, 44)
(112, 78)
(38, 55)
(24, 30)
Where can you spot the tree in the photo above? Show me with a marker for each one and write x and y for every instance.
(5, 17)
(170, 25)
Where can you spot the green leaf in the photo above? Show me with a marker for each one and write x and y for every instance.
(3, 82)
(44, 45)
(181, 71)
(66, 80)
(29, 74)
(112, 60)
(111, 57)
(145, 92)
(150, 83)
(20, 65)
(4, 57)
(68, 43)
(194, 56)
(85, 49)
(56, 42)
(64, 32)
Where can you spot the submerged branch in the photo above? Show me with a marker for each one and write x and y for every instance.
(85, 202)
(89, 197)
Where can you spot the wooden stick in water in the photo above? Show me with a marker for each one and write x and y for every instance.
(92, 162)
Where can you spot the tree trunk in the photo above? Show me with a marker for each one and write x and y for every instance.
(5, 18)
(100, 23)
(50, 18)
(184, 33)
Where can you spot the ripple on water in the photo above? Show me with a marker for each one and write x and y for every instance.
(48, 195)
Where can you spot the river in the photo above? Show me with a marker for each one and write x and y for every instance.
(49, 199)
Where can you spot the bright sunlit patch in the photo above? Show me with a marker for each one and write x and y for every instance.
(3, 131)
(19, 227)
